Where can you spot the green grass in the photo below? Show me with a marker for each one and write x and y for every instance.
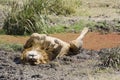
(2, 31)
(4, 2)
(77, 27)
(71, 8)
(56, 29)
(81, 24)
(11, 46)
(65, 24)
(32, 16)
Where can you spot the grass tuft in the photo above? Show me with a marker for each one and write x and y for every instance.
(11, 47)
(110, 57)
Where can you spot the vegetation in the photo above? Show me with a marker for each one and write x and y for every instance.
(32, 16)
(81, 24)
(105, 27)
(3, 2)
(11, 47)
(2, 31)
(110, 57)
(21, 21)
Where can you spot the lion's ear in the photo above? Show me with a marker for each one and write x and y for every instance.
(29, 43)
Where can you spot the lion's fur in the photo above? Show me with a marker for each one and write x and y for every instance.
(44, 59)
(51, 47)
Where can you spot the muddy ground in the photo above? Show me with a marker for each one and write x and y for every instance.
(65, 68)
(78, 67)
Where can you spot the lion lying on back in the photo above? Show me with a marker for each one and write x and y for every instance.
(41, 48)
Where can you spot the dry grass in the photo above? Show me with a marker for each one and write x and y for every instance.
(88, 7)
(99, 7)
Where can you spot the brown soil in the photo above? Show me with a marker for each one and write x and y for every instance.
(92, 40)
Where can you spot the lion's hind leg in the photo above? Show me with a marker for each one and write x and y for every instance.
(76, 44)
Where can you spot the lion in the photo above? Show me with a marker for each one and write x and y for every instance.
(41, 48)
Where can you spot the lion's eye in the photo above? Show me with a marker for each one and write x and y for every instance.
(47, 49)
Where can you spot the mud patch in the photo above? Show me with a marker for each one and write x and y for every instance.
(65, 68)
(75, 67)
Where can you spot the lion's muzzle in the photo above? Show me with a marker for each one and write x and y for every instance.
(33, 56)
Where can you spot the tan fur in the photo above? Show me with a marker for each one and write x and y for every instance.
(44, 59)
(50, 47)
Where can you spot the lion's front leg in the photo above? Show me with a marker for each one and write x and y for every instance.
(35, 39)
(63, 48)
(52, 48)
(64, 51)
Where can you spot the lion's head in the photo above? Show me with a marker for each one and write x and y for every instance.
(34, 55)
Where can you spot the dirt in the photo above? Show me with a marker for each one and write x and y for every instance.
(82, 66)
(65, 68)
